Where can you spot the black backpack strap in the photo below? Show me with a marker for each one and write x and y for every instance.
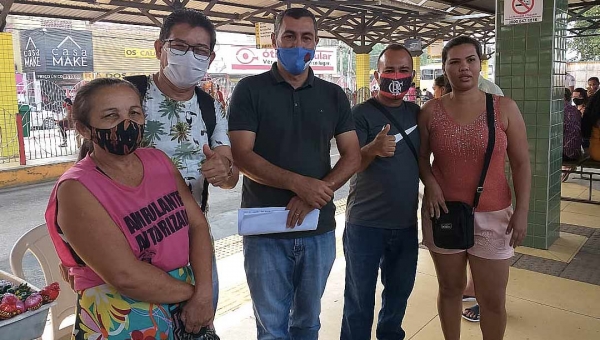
(207, 109)
(140, 82)
(489, 104)
(391, 118)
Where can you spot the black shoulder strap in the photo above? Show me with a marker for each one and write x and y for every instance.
(207, 109)
(489, 104)
(140, 82)
(391, 118)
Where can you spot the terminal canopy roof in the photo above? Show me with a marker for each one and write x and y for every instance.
(359, 23)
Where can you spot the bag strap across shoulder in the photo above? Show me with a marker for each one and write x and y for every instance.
(398, 126)
(489, 103)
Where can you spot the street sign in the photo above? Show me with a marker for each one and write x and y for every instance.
(263, 33)
(522, 11)
(413, 45)
(434, 50)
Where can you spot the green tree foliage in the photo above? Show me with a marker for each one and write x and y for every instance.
(587, 47)
(374, 55)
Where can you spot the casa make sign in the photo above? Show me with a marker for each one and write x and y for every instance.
(522, 11)
(250, 60)
(56, 50)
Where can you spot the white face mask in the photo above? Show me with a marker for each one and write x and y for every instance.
(185, 71)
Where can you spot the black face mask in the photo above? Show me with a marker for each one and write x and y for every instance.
(122, 139)
(578, 101)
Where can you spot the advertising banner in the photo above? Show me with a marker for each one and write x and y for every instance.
(56, 50)
(250, 60)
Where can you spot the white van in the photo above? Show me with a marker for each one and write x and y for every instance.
(428, 74)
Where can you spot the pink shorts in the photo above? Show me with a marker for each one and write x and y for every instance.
(491, 241)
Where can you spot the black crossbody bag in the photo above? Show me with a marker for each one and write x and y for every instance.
(456, 229)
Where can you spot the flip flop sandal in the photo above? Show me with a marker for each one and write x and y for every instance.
(565, 176)
(468, 298)
(471, 314)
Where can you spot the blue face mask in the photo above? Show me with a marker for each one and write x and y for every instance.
(296, 59)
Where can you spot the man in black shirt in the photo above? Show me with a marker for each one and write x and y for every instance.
(281, 124)
(381, 216)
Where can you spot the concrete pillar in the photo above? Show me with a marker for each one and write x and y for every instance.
(485, 69)
(531, 68)
(9, 144)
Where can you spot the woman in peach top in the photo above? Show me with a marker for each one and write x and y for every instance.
(454, 129)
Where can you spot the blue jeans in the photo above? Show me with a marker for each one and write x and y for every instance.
(287, 279)
(366, 250)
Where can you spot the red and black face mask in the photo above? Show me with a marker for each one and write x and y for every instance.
(394, 85)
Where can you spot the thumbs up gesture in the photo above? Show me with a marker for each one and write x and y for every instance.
(216, 168)
(384, 145)
(208, 152)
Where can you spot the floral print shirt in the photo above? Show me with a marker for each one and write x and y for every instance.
(177, 128)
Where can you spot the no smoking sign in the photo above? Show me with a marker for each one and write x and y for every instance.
(522, 11)
(522, 6)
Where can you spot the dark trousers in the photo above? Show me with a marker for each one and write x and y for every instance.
(367, 250)
(63, 125)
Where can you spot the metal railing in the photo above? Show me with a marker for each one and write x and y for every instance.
(35, 135)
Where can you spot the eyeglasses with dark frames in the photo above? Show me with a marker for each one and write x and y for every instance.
(178, 47)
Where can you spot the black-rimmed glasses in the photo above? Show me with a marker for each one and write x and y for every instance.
(180, 48)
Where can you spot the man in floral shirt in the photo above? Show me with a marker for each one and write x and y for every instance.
(174, 119)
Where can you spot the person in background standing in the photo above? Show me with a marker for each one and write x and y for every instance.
(411, 95)
(580, 99)
(65, 123)
(569, 81)
(593, 84)
(590, 127)
(571, 130)
(441, 87)
(221, 98)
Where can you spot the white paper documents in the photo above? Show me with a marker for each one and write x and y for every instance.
(408, 131)
(259, 221)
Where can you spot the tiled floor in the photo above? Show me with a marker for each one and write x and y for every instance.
(564, 249)
(540, 307)
(549, 292)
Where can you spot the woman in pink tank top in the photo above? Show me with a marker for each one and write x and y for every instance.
(126, 225)
(454, 129)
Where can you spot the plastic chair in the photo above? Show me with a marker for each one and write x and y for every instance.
(37, 240)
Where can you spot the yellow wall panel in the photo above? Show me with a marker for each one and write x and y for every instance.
(9, 145)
